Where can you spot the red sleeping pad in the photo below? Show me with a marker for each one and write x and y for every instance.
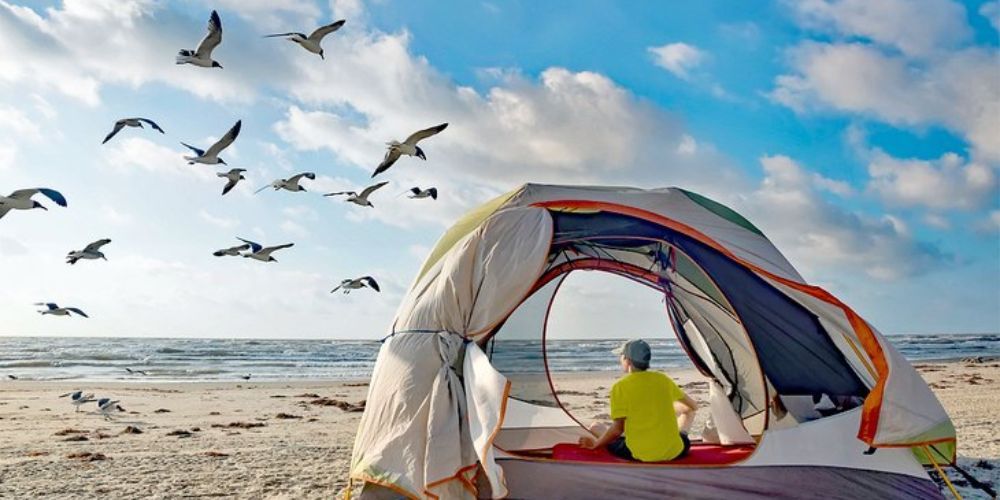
(700, 454)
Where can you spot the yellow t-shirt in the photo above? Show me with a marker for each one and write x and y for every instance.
(646, 401)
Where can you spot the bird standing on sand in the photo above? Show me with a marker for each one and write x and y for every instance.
(231, 251)
(21, 200)
(108, 405)
(360, 199)
(55, 310)
(130, 122)
(234, 175)
(202, 56)
(262, 253)
(78, 398)
(210, 156)
(90, 252)
(289, 184)
(311, 42)
(246, 377)
(423, 193)
(408, 147)
(356, 283)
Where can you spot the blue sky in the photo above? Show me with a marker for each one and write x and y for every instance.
(863, 138)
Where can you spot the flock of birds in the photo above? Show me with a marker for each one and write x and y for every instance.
(22, 199)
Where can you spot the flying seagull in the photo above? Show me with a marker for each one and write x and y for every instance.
(55, 310)
(423, 193)
(108, 405)
(130, 122)
(231, 251)
(202, 56)
(12, 377)
(408, 147)
(211, 155)
(234, 175)
(289, 184)
(92, 251)
(360, 199)
(262, 253)
(356, 283)
(78, 398)
(311, 42)
(21, 200)
(135, 372)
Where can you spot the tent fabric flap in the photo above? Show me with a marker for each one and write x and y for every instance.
(486, 392)
(411, 438)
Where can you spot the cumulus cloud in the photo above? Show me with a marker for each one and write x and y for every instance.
(906, 63)
(958, 92)
(127, 154)
(819, 235)
(914, 27)
(677, 58)
(948, 182)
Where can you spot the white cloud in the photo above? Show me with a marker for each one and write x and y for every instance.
(14, 121)
(958, 92)
(677, 58)
(991, 11)
(819, 236)
(937, 221)
(126, 154)
(949, 182)
(220, 222)
(115, 216)
(687, 145)
(915, 27)
(294, 228)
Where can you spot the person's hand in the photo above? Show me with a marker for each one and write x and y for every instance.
(588, 442)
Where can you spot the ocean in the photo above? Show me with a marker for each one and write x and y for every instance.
(192, 360)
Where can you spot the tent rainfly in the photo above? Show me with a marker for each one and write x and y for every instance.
(443, 420)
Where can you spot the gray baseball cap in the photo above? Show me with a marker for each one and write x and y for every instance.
(637, 351)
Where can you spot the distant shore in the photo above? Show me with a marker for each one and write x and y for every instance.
(252, 439)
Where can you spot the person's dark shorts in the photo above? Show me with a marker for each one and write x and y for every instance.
(618, 448)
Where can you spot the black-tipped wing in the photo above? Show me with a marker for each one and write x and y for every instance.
(254, 246)
(226, 140)
(212, 39)
(390, 157)
(433, 192)
(297, 177)
(371, 189)
(338, 193)
(322, 31)
(151, 123)
(368, 280)
(52, 194)
(120, 124)
(230, 185)
(270, 250)
(199, 152)
(77, 311)
(272, 35)
(95, 246)
(49, 305)
(419, 135)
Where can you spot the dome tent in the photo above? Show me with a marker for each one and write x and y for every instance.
(442, 421)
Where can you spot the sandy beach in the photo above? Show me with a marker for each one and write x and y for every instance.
(294, 440)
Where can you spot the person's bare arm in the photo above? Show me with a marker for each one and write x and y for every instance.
(685, 409)
(616, 429)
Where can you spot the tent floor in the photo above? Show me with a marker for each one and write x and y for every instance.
(700, 454)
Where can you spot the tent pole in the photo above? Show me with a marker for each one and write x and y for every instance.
(941, 473)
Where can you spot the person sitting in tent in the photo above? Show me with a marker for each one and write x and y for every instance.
(650, 414)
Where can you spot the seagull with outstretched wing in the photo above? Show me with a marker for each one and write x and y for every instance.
(21, 200)
(54, 309)
(90, 252)
(353, 284)
(408, 147)
(311, 42)
(262, 253)
(234, 175)
(202, 56)
(211, 155)
(360, 199)
(289, 184)
(130, 122)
